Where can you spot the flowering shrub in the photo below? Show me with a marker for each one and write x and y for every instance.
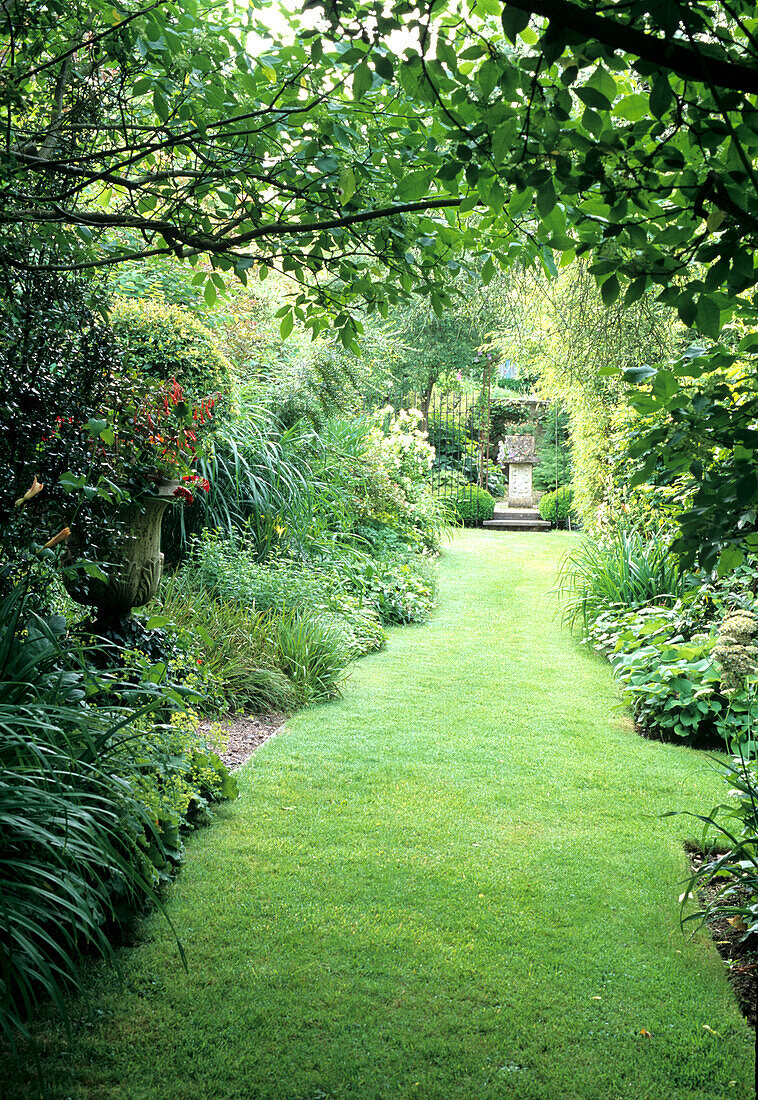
(396, 480)
(374, 472)
(736, 650)
(154, 433)
(736, 655)
(401, 446)
(172, 389)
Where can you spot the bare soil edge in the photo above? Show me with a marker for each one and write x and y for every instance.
(740, 955)
(241, 734)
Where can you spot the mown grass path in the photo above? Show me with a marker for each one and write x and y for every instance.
(452, 884)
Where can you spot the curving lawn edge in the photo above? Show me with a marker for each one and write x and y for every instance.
(453, 883)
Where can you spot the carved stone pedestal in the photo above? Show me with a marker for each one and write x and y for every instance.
(517, 453)
(134, 560)
(520, 491)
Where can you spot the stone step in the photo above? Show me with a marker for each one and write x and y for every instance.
(516, 513)
(509, 524)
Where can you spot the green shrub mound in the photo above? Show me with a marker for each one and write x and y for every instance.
(556, 507)
(159, 342)
(471, 505)
(281, 635)
(680, 644)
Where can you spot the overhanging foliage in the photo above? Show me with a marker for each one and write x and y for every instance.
(367, 167)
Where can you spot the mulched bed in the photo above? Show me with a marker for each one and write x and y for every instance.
(740, 955)
(243, 734)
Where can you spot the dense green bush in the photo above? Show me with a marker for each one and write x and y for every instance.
(670, 682)
(57, 356)
(162, 278)
(556, 507)
(471, 505)
(228, 569)
(391, 585)
(158, 341)
(263, 647)
(376, 470)
(682, 647)
(402, 586)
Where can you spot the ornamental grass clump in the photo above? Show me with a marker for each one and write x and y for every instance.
(78, 847)
(628, 567)
(313, 654)
(235, 645)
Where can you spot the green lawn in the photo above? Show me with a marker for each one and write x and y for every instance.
(454, 883)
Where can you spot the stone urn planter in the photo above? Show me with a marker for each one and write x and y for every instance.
(134, 560)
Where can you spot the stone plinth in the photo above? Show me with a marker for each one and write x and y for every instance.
(517, 453)
(520, 493)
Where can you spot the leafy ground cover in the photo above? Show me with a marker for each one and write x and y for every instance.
(452, 882)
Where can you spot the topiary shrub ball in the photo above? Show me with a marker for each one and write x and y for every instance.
(471, 505)
(159, 342)
(556, 507)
